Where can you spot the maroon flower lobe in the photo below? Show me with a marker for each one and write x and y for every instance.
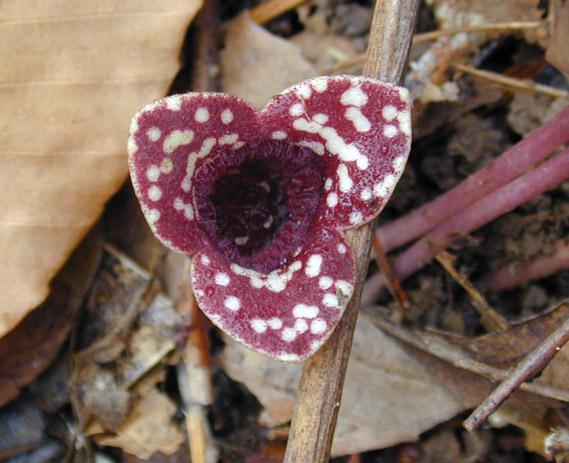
(257, 199)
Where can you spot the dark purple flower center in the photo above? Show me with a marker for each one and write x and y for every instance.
(258, 204)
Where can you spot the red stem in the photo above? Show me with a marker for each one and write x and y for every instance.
(508, 166)
(515, 274)
(544, 177)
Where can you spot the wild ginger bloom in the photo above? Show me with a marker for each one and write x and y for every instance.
(258, 199)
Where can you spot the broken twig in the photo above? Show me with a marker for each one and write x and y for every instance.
(491, 319)
(530, 366)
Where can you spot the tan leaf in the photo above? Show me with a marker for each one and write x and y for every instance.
(72, 74)
(256, 64)
(389, 396)
(557, 50)
(148, 429)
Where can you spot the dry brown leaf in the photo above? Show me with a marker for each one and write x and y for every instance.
(557, 50)
(127, 330)
(28, 349)
(256, 65)
(389, 396)
(72, 74)
(148, 429)
(504, 349)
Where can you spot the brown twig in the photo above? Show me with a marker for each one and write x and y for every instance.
(512, 82)
(320, 389)
(271, 9)
(491, 319)
(530, 366)
(438, 33)
(456, 357)
(393, 283)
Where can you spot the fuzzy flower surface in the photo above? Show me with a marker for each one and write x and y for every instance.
(258, 199)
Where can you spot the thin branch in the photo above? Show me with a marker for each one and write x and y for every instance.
(438, 33)
(393, 283)
(511, 164)
(546, 176)
(491, 319)
(320, 389)
(512, 82)
(529, 367)
(271, 9)
(518, 273)
(457, 358)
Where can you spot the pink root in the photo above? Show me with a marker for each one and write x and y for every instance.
(516, 274)
(508, 166)
(543, 178)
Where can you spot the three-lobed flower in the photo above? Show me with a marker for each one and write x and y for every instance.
(258, 199)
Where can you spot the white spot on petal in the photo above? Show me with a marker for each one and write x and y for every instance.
(356, 218)
(153, 215)
(301, 325)
(226, 116)
(154, 134)
(320, 85)
(320, 118)
(330, 300)
(404, 95)
(346, 182)
(318, 326)
(166, 166)
(313, 265)
(362, 162)
(305, 311)
(315, 146)
(275, 323)
(325, 282)
(222, 279)
(228, 139)
(354, 96)
(202, 115)
(278, 135)
(390, 131)
(233, 303)
(360, 122)
(154, 193)
(177, 138)
(174, 102)
(205, 260)
(399, 163)
(332, 200)
(328, 184)
(153, 173)
(289, 334)
(258, 325)
(296, 110)
(389, 112)
(342, 248)
(303, 91)
(365, 194)
(275, 283)
(404, 118)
